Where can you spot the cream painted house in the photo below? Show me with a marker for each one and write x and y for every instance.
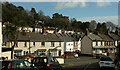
(40, 44)
(97, 44)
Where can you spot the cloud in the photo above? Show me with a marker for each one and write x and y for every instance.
(63, 5)
(103, 4)
(113, 19)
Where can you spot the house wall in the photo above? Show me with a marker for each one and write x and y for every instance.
(79, 44)
(6, 54)
(86, 45)
(38, 46)
(69, 47)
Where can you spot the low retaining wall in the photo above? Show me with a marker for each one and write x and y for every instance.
(60, 60)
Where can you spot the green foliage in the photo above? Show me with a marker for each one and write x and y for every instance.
(20, 17)
(101, 28)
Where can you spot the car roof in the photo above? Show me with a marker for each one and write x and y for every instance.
(14, 60)
(43, 57)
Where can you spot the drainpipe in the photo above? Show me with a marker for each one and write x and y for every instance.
(1, 39)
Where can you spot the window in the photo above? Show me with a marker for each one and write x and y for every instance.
(27, 64)
(4, 44)
(96, 43)
(105, 43)
(16, 44)
(60, 44)
(52, 44)
(101, 43)
(41, 52)
(109, 43)
(19, 64)
(112, 43)
(42, 43)
(25, 52)
(25, 44)
(33, 43)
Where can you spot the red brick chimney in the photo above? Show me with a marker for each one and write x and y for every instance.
(44, 30)
(108, 32)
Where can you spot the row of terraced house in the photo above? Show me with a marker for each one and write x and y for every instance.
(54, 42)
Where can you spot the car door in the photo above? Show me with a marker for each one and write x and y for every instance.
(56, 63)
(52, 63)
(20, 65)
(29, 66)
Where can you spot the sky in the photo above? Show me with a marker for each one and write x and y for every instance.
(82, 11)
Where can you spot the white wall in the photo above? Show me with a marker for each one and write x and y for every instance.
(0, 38)
(79, 44)
(69, 45)
(6, 54)
(38, 46)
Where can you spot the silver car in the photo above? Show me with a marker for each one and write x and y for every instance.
(106, 61)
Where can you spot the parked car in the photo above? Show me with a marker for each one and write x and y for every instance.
(106, 61)
(117, 66)
(76, 55)
(98, 55)
(46, 63)
(17, 65)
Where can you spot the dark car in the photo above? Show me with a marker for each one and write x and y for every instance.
(117, 66)
(17, 65)
(46, 63)
(99, 55)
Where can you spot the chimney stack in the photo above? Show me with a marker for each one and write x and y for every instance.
(87, 31)
(117, 31)
(108, 32)
(98, 33)
(44, 30)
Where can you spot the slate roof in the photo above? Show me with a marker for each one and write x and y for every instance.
(38, 37)
(94, 37)
(64, 37)
(114, 36)
(105, 37)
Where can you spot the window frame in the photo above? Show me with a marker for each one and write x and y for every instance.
(42, 43)
(52, 44)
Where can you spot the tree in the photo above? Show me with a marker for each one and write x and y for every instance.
(101, 28)
(60, 21)
(11, 32)
(92, 25)
(110, 26)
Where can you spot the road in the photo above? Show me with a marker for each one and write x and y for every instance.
(82, 63)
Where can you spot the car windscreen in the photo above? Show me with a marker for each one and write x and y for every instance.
(105, 59)
(40, 60)
(5, 64)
